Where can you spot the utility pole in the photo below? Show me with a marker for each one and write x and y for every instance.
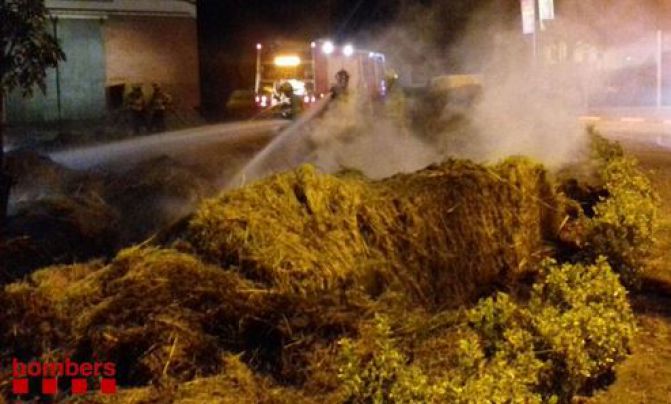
(257, 81)
(660, 39)
(537, 32)
(530, 25)
(534, 12)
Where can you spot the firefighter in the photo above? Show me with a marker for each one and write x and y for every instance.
(342, 82)
(158, 105)
(295, 103)
(136, 104)
(395, 103)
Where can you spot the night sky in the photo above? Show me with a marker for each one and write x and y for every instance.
(229, 30)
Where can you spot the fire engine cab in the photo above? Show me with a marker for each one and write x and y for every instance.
(310, 69)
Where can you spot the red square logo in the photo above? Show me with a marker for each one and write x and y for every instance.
(49, 386)
(20, 386)
(108, 386)
(79, 386)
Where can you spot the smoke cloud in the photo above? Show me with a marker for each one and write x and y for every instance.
(529, 103)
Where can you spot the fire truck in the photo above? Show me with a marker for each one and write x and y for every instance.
(310, 69)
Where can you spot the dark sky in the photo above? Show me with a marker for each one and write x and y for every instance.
(221, 19)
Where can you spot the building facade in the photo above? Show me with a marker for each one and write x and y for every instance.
(111, 45)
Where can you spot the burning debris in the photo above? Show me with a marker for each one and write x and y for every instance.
(308, 287)
(61, 216)
(305, 231)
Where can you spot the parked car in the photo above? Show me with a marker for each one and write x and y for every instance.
(241, 104)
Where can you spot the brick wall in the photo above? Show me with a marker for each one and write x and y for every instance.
(154, 49)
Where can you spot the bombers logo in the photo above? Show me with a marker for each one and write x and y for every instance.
(79, 374)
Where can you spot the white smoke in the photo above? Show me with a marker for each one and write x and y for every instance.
(529, 104)
(352, 135)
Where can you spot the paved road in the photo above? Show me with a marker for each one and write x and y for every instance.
(129, 151)
(643, 125)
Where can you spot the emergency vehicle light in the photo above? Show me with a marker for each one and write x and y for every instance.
(328, 47)
(287, 61)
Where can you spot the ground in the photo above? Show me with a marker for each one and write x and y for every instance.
(645, 377)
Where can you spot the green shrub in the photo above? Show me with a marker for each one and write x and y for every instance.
(500, 365)
(603, 150)
(577, 325)
(493, 317)
(583, 320)
(373, 370)
(623, 228)
(503, 378)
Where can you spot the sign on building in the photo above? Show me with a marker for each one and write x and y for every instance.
(546, 9)
(528, 16)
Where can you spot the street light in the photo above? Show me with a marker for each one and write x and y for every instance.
(257, 81)
(348, 50)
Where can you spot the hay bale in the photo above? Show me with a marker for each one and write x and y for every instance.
(444, 235)
(295, 226)
(236, 384)
(154, 313)
(163, 313)
(58, 230)
(459, 228)
(36, 175)
(39, 311)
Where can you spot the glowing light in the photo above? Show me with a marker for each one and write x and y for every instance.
(313, 45)
(328, 47)
(258, 46)
(348, 50)
(313, 99)
(287, 61)
(298, 86)
(306, 99)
